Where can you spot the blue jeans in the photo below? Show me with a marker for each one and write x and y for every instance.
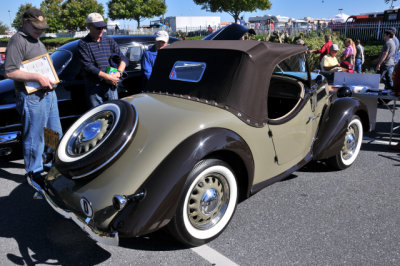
(386, 76)
(37, 111)
(98, 93)
(358, 65)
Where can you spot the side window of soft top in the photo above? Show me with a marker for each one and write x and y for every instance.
(187, 71)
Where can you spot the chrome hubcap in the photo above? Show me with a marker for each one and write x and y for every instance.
(208, 201)
(91, 133)
(350, 143)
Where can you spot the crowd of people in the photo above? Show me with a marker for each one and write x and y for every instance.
(352, 59)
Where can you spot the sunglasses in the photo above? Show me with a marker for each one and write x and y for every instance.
(99, 28)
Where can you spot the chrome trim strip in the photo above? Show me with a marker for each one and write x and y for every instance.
(9, 137)
(111, 239)
(20, 125)
(69, 116)
(11, 126)
(117, 152)
(8, 106)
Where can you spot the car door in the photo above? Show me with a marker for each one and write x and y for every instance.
(294, 112)
(293, 132)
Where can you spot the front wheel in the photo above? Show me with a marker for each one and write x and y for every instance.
(207, 203)
(351, 146)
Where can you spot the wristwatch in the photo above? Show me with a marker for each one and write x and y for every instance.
(120, 72)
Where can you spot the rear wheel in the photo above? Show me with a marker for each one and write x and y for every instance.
(207, 204)
(351, 146)
(95, 139)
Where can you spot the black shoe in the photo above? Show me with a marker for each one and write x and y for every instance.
(38, 178)
(395, 147)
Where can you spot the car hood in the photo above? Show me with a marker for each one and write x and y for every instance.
(231, 32)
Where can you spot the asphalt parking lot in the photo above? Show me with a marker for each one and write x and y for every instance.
(314, 217)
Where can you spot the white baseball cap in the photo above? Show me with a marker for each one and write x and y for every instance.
(334, 47)
(96, 19)
(162, 35)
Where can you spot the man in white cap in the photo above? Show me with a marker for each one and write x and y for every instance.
(98, 53)
(38, 109)
(149, 56)
(329, 62)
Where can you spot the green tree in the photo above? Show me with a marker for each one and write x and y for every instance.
(233, 8)
(17, 22)
(135, 9)
(76, 11)
(3, 28)
(52, 10)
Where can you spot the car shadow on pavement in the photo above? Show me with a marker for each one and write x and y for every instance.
(157, 241)
(7, 175)
(316, 166)
(376, 147)
(43, 236)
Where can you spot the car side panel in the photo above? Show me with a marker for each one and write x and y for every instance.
(163, 187)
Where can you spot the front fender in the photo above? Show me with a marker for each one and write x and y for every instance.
(334, 125)
(164, 186)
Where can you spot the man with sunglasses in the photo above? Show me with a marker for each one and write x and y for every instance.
(97, 53)
(38, 109)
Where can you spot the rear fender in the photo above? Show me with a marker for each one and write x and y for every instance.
(334, 125)
(164, 186)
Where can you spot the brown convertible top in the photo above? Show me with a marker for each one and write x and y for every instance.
(236, 77)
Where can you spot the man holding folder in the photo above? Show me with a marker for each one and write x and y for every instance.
(38, 109)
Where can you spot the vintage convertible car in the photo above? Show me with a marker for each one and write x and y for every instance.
(70, 98)
(219, 121)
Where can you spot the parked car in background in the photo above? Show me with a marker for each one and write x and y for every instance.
(217, 122)
(70, 91)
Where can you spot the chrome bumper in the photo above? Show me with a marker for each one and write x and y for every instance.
(10, 143)
(9, 137)
(99, 236)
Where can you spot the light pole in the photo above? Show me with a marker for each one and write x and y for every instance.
(163, 22)
(340, 10)
(9, 15)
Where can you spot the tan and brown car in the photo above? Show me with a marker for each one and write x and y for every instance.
(219, 121)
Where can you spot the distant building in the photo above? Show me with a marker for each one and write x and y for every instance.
(191, 23)
(279, 22)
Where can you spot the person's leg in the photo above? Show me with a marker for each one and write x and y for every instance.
(358, 65)
(93, 97)
(53, 121)
(383, 73)
(111, 95)
(34, 117)
(389, 74)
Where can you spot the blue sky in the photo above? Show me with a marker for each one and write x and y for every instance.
(290, 8)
